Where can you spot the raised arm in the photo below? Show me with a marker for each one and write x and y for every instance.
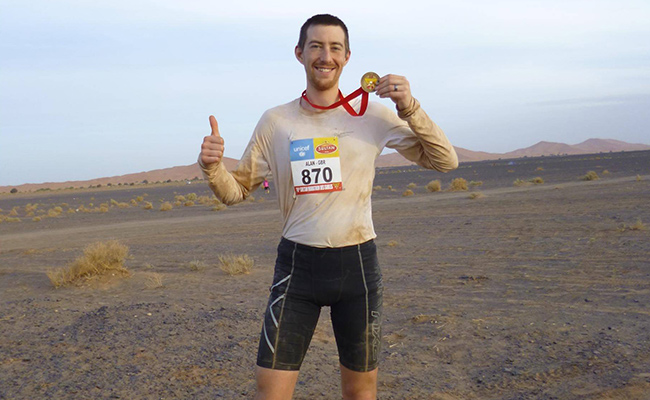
(230, 188)
(430, 148)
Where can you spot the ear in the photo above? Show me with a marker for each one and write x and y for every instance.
(347, 57)
(298, 52)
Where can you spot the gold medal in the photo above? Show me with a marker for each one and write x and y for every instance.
(369, 81)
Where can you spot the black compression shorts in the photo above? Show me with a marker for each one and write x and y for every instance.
(348, 280)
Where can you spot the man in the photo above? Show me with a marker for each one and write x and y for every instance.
(323, 164)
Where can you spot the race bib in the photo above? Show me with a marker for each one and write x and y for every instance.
(316, 165)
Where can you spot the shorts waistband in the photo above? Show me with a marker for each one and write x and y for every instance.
(362, 246)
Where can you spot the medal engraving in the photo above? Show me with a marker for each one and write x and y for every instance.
(369, 81)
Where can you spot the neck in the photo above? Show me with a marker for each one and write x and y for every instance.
(322, 98)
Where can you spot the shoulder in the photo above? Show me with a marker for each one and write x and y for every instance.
(281, 111)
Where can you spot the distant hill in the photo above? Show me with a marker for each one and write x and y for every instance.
(189, 172)
(540, 149)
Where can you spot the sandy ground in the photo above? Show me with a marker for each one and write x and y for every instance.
(529, 292)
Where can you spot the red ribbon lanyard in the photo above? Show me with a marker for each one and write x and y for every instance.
(345, 102)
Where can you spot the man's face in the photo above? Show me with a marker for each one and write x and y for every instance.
(323, 56)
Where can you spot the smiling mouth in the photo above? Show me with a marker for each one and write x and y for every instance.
(324, 69)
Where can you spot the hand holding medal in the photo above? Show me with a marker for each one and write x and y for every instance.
(397, 88)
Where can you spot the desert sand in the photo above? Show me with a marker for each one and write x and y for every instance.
(537, 291)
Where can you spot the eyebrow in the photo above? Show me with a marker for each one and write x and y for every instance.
(331, 44)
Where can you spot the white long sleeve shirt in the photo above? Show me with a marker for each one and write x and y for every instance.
(342, 216)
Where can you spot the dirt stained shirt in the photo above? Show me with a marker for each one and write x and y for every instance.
(341, 217)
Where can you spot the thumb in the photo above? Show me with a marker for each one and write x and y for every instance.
(215, 126)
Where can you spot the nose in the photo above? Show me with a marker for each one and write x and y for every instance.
(325, 54)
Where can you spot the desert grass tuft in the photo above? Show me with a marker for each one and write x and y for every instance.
(407, 192)
(147, 205)
(433, 186)
(166, 206)
(236, 264)
(411, 185)
(457, 185)
(196, 265)
(392, 243)
(476, 195)
(537, 180)
(639, 178)
(378, 187)
(590, 176)
(219, 207)
(154, 281)
(520, 182)
(476, 183)
(98, 259)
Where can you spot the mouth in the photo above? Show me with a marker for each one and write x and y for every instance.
(324, 70)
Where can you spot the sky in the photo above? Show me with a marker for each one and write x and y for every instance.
(100, 88)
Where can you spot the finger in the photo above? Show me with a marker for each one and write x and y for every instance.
(213, 140)
(215, 126)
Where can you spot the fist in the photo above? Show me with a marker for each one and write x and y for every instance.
(212, 147)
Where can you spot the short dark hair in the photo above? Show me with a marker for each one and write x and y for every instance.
(323, 19)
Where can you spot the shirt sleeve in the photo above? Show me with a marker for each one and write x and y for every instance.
(420, 140)
(235, 186)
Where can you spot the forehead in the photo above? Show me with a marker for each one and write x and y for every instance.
(326, 34)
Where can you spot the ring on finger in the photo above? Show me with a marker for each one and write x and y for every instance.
(395, 88)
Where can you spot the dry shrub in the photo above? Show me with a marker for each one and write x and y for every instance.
(539, 169)
(36, 219)
(476, 195)
(638, 226)
(205, 200)
(13, 212)
(433, 186)
(177, 204)
(147, 205)
(133, 202)
(154, 281)
(31, 207)
(250, 198)
(639, 178)
(605, 172)
(189, 203)
(166, 206)
(537, 180)
(114, 202)
(407, 192)
(236, 264)
(476, 183)
(219, 207)
(180, 198)
(70, 211)
(457, 185)
(98, 259)
(411, 185)
(191, 197)
(139, 199)
(590, 176)
(196, 265)
(378, 187)
(392, 243)
(519, 182)
(54, 212)
(12, 219)
(123, 205)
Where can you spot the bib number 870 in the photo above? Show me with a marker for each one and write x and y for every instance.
(316, 172)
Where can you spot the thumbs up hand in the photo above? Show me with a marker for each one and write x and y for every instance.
(212, 147)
